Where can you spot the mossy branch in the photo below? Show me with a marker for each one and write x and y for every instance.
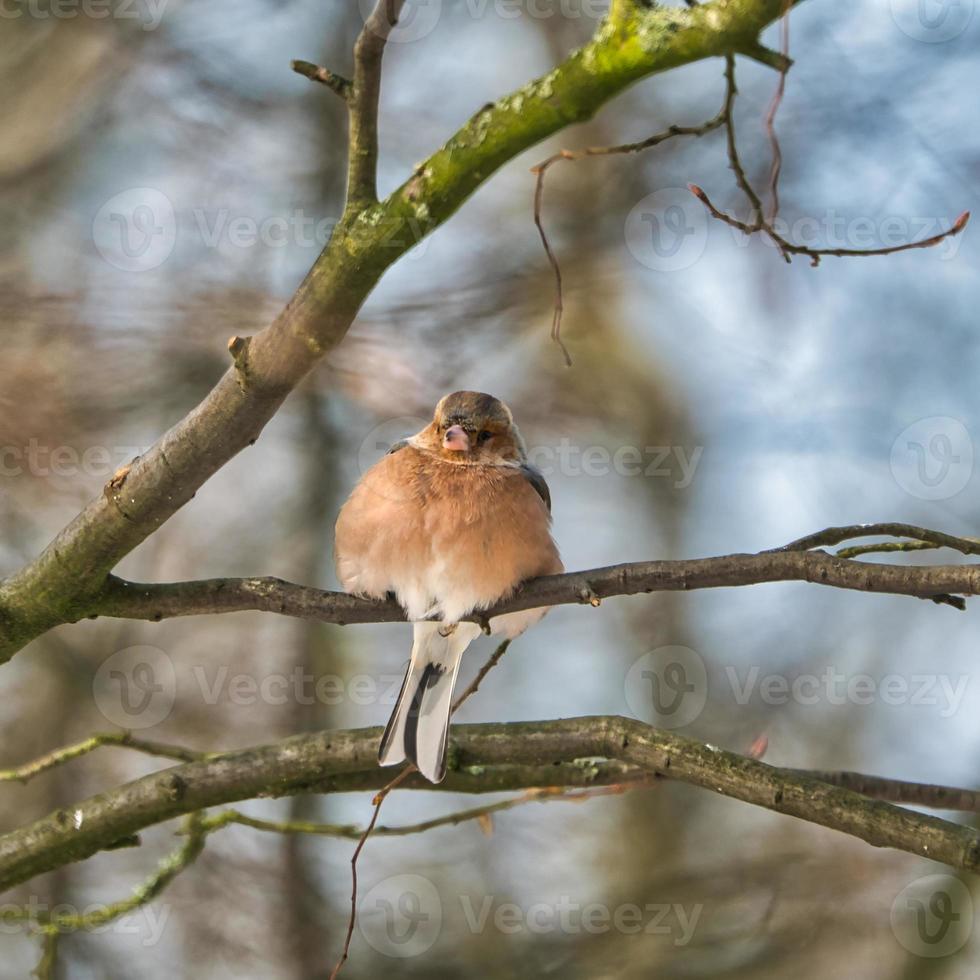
(483, 758)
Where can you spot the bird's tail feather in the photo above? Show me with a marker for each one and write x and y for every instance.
(419, 726)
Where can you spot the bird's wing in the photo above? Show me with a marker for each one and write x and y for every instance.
(535, 478)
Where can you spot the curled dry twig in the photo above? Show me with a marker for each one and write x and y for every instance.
(759, 221)
(541, 170)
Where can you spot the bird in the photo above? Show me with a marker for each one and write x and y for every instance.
(451, 520)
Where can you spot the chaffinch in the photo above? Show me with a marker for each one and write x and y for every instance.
(451, 521)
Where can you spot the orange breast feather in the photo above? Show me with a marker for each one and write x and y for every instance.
(416, 524)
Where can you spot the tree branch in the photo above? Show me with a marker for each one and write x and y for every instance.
(155, 602)
(483, 758)
(759, 222)
(363, 100)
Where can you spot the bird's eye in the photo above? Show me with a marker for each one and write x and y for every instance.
(482, 437)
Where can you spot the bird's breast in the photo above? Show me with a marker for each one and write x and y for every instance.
(454, 537)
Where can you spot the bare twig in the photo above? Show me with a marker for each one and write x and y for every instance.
(555, 268)
(925, 540)
(47, 964)
(126, 740)
(830, 536)
(52, 927)
(316, 73)
(225, 818)
(789, 249)
(377, 802)
(758, 222)
(382, 796)
(478, 680)
(541, 170)
(777, 99)
(731, 92)
(884, 547)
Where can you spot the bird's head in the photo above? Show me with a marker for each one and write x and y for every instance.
(471, 427)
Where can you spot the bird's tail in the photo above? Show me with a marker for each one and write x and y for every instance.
(418, 729)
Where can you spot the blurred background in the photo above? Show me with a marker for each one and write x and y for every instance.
(166, 181)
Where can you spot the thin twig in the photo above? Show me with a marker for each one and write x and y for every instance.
(376, 802)
(47, 964)
(541, 169)
(789, 249)
(478, 680)
(831, 536)
(758, 222)
(317, 73)
(52, 927)
(734, 162)
(777, 99)
(884, 547)
(225, 818)
(383, 794)
(924, 540)
(28, 770)
(555, 267)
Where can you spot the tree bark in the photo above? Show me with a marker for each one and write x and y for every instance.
(483, 758)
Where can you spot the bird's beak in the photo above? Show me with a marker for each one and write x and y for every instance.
(456, 440)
